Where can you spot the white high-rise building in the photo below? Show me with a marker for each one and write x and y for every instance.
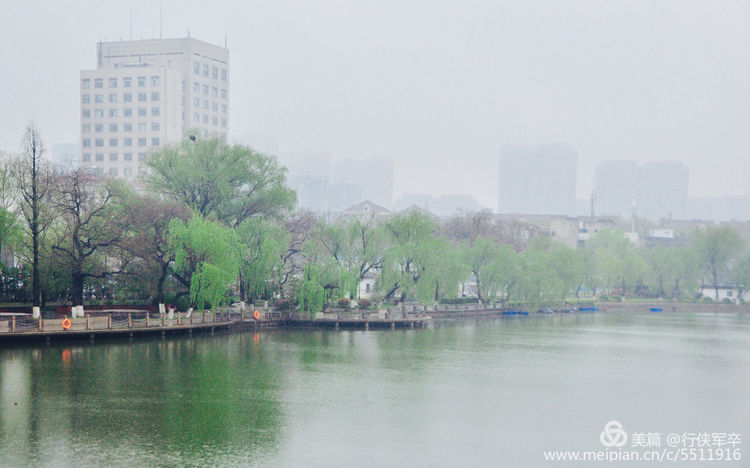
(147, 93)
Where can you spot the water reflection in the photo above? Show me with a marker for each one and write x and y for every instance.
(469, 392)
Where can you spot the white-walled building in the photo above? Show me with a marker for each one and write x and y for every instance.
(147, 93)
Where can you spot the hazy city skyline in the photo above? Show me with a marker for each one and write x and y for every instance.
(438, 87)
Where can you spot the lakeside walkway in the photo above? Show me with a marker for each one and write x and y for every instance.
(129, 323)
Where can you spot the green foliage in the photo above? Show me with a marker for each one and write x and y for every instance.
(262, 243)
(715, 248)
(311, 292)
(206, 253)
(411, 246)
(230, 183)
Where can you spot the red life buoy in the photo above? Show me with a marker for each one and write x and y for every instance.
(256, 315)
(66, 323)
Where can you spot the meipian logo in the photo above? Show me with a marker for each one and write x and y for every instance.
(613, 435)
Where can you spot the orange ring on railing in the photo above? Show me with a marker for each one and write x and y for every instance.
(66, 323)
(256, 315)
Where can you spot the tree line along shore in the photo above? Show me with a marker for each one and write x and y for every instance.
(209, 223)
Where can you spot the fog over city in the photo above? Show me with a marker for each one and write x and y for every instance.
(437, 86)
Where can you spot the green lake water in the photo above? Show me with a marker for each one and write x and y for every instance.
(494, 392)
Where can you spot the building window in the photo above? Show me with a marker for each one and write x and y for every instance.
(99, 113)
(113, 156)
(113, 171)
(205, 69)
(196, 68)
(214, 107)
(127, 156)
(127, 112)
(112, 98)
(100, 156)
(196, 87)
(98, 127)
(142, 97)
(127, 97)
(154, 126)
(224, 93)
(205, 118)
(113, 82)
(99, 142)
(215, 91)
(141, 142)
(215, 73)
(86, 128)
(127, 127)
(141, 112)
(85, 98)
(127, 171)
(224, 108)
(141, 156)
(154, 81)
(113, 142)
(141, 126)
(98, 83)
(86, 157)
(205, 89)
(154, 96)
(141, 81)
(98, 98)
(113, 112)
(223, 74)
(223, 122)
(196, 102)
(215, 120)
(98, 170)
(196, 117)
(86, 113)
(87, 143)
(85, 83)
(126, 82)
(127, 142)
(155, 141)
(113, 127)
(205, 104)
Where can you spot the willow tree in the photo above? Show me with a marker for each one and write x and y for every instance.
(357, 247)
(261, 245)
(206, 259)
(406, 260)
(229, 183)
(716, 248)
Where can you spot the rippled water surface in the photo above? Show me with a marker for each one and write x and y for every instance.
(461, 393)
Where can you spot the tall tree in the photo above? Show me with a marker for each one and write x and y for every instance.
(229, 183)
(206, 259)
(262, 244)
(404, 262)
(33, 177)
(716, 248)
(91, 225)
(148, 237)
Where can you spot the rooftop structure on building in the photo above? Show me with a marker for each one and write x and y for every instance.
(144, 94)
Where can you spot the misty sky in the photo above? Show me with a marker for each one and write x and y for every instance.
(438, 86)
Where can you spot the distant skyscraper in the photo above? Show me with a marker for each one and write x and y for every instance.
(537, 179)
(374, 176)
(144, 94)
(658, 189)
